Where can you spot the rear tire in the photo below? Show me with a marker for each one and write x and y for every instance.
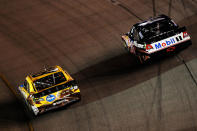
(78, 95)
(143, 58)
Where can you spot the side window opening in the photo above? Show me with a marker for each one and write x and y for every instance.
(136, 35)
(28, 90)
(131, 31)
(25, 85)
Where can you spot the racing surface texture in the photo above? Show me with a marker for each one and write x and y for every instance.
(84, 37)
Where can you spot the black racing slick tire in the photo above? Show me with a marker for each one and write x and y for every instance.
(143, 58)
(78, 96)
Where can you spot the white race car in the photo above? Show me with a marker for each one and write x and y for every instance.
(154, 36)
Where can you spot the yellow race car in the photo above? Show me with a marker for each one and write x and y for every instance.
(49, 89)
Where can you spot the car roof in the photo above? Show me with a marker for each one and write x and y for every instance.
(46, 72)
(152, 20)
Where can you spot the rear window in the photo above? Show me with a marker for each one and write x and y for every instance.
(157, 28)
(55, 89)
(49, 81)
(46, 71)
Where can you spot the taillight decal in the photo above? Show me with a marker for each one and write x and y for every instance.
(148, 47)
(185, 34)
(170, 49)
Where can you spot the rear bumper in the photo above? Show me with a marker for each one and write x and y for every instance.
(59, 103)
(178, 47)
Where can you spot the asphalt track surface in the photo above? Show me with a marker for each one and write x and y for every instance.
(84, 37)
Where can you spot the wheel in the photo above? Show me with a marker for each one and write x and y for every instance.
(77, 96)
(143, 58)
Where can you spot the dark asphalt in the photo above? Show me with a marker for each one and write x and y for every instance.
(84, 37)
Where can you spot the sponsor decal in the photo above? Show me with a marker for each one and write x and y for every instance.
(50, 98)
(185, 34)
(59, 102)
(148, 47)
(164, 44)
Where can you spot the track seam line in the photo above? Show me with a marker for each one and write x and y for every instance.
(190, 73)
(7, 83)
(116, 2)
(185, 92)
(169, 8)
(154, 9)
(178, 56)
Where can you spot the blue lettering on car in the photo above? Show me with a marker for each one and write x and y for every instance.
(173, 40)
(157, 46)
(167, 42)
(50, 98)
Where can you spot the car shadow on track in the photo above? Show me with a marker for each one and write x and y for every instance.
(12, 112)
(118, 74)
(124, 64)
(115, 66)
